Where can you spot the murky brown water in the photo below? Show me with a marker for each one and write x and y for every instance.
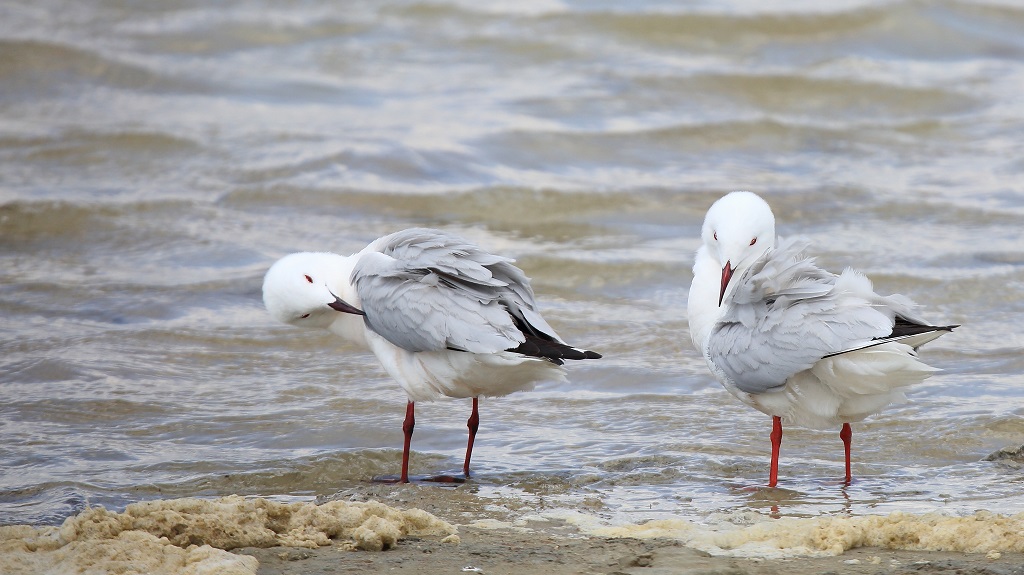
(155, 160)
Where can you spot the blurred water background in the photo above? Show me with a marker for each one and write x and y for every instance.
(156, 158)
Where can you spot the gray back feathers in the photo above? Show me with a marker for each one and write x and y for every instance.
(427, 290)
(787, 314)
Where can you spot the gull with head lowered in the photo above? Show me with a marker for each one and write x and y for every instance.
(444, 317)
(790, 339)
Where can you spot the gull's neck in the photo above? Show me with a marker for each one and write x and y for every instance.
(702, 306)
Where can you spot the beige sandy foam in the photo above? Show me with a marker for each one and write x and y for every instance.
(193, 536)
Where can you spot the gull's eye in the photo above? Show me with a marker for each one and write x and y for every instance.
(305, 315)
(309, 279)
(715, 235)
(753, 241)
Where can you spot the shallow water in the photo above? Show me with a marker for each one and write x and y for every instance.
(154, 161)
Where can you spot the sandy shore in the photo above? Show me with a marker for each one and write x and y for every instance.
(432, 529)
(509, 552)
(493, 542)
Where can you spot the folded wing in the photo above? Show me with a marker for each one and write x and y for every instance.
(787, 314)
(426, 290)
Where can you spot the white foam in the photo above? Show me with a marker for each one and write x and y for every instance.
(749, 534)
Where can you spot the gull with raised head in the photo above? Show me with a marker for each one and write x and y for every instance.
(444, 317)
(798, 343)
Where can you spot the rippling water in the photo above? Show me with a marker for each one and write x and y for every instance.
(155, 160)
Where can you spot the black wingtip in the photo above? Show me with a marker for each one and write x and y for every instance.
(552, 351)
(905, 327)
(540, 344)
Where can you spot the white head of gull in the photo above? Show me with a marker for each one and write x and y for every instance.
(790, 339)
(444, 318)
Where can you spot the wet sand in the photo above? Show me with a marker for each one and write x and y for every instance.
(513, 552)
(428, 529)
(502, 538)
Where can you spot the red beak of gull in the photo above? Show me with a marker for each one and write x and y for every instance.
(726, 276)
(344, 307)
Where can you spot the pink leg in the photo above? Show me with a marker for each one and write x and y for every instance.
(473, 424)
(776, 437)
(846, 434)
(407, 427)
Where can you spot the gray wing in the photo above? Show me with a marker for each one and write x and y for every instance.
(426, 290)
(787, 314)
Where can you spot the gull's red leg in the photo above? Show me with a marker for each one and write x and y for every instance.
(473, 424)
(776, 437)
(846, 435)
(407, 427)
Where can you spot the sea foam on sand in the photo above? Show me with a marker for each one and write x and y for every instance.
(756, 535)
(193, 536)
